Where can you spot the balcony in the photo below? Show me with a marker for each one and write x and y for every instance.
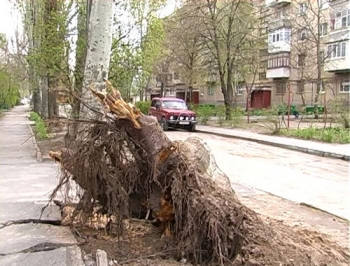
(281, 72)
(278, 47)
(337, 65)
(277, 2)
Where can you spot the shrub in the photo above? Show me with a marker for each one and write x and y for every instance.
(220, 112)
(34, 116)
(144, 106)
(236, 117)
(273, 122)
(40, 128)
(204, 112)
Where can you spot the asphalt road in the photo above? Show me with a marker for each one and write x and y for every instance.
(299, 177)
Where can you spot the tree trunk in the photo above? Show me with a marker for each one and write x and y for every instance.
(98, 52)
(44, 97)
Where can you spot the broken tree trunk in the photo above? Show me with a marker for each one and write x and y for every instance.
(129, 166)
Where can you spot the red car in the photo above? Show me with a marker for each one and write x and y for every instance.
(173, 112)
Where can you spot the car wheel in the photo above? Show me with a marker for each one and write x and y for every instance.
(192, 128)
(164, 124)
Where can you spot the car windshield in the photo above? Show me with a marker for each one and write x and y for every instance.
(174, 104)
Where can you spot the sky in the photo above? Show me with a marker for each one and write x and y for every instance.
(10, 19)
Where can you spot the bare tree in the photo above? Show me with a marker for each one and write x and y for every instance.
(227, 27)
(308, 32)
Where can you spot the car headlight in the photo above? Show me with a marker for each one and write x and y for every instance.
(181, 118)
(193, 118)
(171, 117)
(187, 117)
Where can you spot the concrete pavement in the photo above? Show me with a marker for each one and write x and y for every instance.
(302, 178)
(25, 185)
(336, 151)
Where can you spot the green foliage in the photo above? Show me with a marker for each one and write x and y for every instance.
(340, 110)
(236, 117)
(329, 134)
(9, 89)
(40, 128)
(220, 111)
(204, 112)
(144, 107)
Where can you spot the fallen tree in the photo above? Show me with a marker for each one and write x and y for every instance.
(127, 165)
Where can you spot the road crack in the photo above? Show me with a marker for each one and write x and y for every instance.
(47, 246)
(27, 221)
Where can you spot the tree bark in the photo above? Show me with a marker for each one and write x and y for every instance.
(44, 97)
(98, 52)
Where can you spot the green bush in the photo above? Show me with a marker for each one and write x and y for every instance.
(40, 128)
(204, 112)
(220, 112)
(144, 106)
(34, 116)
(236, 117)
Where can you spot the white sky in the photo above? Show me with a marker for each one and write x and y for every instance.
(10, 19)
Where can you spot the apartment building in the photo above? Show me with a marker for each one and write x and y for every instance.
(307, 51)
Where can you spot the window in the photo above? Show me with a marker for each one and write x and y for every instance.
(299, 87)
(263, 64)
(172, 92)
(301, 60)
(240, 88)
(302, 34)
(281, 87)
(278, 60)
(280, 35)
(345, 87)
(211, 89)
(323, 3)
(323, 29)
(302, 8)
(176, 75)
(262, 76)
(341, 20)
(321, 57)
(336, 50)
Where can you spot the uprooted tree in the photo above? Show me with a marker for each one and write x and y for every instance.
(129, 166)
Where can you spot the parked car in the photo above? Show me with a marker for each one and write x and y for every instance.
(174, 113)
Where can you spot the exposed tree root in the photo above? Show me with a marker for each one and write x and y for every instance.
(128, 166)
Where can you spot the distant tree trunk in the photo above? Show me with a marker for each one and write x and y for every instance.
(44, 97)
(52, 98)
(80, 58)
(98, 52)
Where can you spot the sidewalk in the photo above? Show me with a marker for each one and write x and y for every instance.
(25, 185)
(336, 151)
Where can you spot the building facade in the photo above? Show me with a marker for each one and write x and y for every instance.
(306, 58)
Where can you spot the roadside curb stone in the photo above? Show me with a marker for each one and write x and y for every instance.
(37, 154)
(281, 145)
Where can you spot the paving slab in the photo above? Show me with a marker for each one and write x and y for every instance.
(22, 237)
(70, 256)
(15, 211)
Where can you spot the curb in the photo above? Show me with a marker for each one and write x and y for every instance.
(37, 154)
(285, 146)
